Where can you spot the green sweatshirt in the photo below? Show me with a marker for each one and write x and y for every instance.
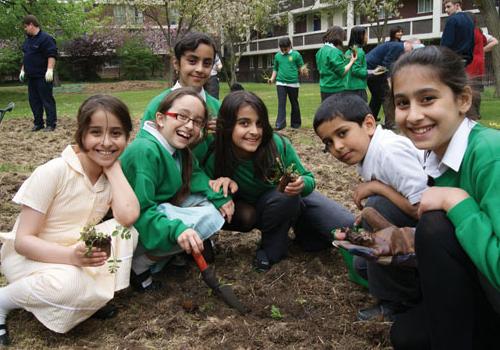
(213, 106)
(250, 187)
(331, 63)
(287, 67)
(155, 178)
(356, 78)
(477, 218)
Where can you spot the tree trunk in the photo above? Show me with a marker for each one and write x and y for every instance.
(492, 20)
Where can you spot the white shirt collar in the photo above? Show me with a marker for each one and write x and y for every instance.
(289, 52)
(454, 154)
(365, 166)
(150, 127)
(203, 95)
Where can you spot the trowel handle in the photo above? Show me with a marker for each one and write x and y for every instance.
(200, 261)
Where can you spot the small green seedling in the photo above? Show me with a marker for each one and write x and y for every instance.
(276, 313)
(282, 175)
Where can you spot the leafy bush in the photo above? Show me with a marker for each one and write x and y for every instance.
(10, 61)
(137, 60)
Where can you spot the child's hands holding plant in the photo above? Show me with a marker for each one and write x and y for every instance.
(190, 242)
(80, 256)
(295, 187)
(441, 198)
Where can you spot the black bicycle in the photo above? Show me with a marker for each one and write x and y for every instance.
(9, 108)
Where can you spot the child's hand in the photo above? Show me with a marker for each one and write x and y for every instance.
(441, 198)
(79, 257)
(189, 241)
(211, 126)
(295, 188)
(270, 81)
(227, 211)
(364, 190)
(228, 186)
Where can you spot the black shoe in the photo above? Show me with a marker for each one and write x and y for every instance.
(105, 312)
(261, 262)
(4, 338)
(295, 126)
(278, 128)
(379, 312)
(49, 128)
(137, 282)
(37, 128)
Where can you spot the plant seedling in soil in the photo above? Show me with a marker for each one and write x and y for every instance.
(276, 313)
(282, 175)
(95, 239)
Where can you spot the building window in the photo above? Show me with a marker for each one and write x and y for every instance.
(424, 6)
(316, 22)
(270, 61)
(300, 24)
(251, 64)
(259, 61)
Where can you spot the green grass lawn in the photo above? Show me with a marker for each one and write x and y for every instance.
(69, 97)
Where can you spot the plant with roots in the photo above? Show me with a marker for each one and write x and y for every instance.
(282, 175)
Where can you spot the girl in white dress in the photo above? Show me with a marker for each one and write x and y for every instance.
(48, 270)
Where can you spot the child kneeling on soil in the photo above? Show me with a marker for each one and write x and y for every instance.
(247, 151)
(394, 180)
(49, 270)
(178, 208)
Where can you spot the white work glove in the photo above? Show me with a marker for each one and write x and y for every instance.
(21, 76)
(49, 75)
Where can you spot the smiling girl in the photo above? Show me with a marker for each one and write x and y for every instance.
(48, 270)
(458, 235)
(246, 150)
(178, 208)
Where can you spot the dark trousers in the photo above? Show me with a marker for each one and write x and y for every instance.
(361, 93)
(379, 89)
(40, 98)
(212, 86)
(455, 312)
(394, 284)
(293, 96)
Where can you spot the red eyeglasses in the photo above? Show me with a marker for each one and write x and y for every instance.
(198, 123)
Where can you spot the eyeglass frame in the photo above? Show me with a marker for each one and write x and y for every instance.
(186, 119)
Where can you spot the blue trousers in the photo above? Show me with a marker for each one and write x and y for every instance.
(40, 98)
(293, 95)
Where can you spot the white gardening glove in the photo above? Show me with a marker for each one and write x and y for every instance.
(49, 75)
(21, 76)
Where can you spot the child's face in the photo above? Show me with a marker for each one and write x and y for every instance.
(285, 50)
(347, 141)
(194, 66)
(427, 111)
(180, 134)
(104, 140)
(247, 132)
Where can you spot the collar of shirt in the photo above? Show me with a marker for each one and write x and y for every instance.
(70, 156)
(288, 53)
(454, 154)
(150, 127)
(366, 166)
(202, 93)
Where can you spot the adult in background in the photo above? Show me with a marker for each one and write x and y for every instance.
(396, 33)
(458, 32)
(379, 62)
(288, 64)
(212, 85)
(40, 52)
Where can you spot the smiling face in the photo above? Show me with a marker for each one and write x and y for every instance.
(180, 134)
(345, 140)
(103, 142)
(194, 66)
(247, 132)
(427, 110)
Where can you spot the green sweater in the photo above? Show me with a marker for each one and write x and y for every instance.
(331, 63)
(250, 187)
(477, 218)
(287, 67)
(213, 106)
(155, 178)
(356, 77)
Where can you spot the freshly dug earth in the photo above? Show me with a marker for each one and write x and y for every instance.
(316, 302)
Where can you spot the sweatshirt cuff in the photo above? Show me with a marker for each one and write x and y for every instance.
(462, 211)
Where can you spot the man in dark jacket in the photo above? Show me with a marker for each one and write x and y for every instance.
(458, 33)
(40, 52)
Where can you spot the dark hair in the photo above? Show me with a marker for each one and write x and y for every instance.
(190, 41)
(446, 64)
(186, 155)
(393, 31)
(236, 87)
(105, 103)
(226, 159)
(30, 19)
(284, 42)
(335, 36)
(347, 106)
(357, 36)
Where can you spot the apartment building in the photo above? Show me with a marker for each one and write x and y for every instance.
(308, 20)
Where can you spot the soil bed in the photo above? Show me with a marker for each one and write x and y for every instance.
(314, 297)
